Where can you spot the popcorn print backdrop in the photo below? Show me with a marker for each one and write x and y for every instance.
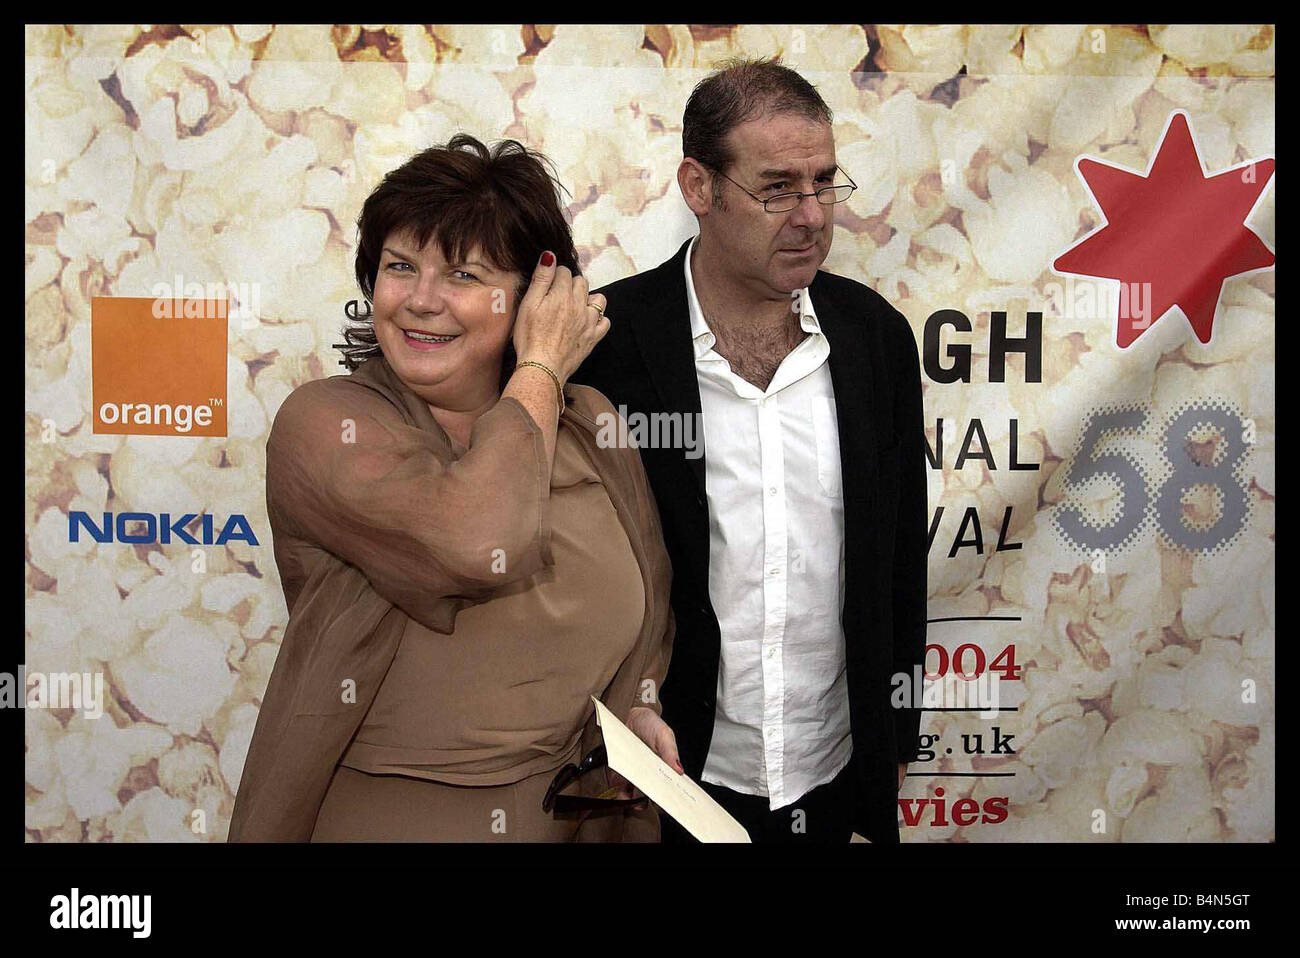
(1125, 599)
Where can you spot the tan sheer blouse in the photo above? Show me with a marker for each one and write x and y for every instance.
(390, 539)
(506, 694)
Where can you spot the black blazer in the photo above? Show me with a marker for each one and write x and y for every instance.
(646, 362)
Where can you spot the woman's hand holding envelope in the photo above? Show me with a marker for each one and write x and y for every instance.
(654, 731)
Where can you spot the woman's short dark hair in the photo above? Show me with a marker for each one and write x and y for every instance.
(739, 91)
(505, 200)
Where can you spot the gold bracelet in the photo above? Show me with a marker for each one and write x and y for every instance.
(559, 390)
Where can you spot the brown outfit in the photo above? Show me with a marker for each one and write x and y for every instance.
(449, 617)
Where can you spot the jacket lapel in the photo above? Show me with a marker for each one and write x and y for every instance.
(853, 382)
(663, 335)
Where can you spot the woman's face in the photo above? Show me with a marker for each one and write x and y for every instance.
(443, 326)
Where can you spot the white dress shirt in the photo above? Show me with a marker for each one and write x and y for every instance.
(776, 567)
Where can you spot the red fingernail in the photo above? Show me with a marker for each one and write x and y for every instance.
(548, 258)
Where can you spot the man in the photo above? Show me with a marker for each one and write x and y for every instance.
(798, 538)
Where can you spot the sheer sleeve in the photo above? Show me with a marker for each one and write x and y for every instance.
(345, 472)
(661, 648)
(623, 457)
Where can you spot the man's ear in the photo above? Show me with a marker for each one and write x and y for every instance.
(696, 184)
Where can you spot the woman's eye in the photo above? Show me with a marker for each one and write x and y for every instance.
(462, 274)
(395, 264)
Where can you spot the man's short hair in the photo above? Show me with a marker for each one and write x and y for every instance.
(739, 91)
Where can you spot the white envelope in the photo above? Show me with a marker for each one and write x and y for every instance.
(678, 795)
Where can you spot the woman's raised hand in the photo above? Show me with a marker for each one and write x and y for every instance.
(558, 323)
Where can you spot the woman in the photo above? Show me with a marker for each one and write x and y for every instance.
(463, 564)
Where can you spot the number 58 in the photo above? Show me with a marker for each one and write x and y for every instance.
(1167, 503)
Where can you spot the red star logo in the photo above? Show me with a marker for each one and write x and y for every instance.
(1174, 227)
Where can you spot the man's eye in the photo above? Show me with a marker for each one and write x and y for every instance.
(777, 186)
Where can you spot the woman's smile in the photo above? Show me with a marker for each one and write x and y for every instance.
(426, 342)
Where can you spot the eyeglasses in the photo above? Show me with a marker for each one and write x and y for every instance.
(785, 202)
(576, 803)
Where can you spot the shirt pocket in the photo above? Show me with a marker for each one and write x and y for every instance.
(827, 433)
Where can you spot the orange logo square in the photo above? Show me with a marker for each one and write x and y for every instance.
(158, 366)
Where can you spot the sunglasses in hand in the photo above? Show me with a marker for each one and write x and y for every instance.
(570, 773)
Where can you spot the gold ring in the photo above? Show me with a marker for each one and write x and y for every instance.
(598, 308)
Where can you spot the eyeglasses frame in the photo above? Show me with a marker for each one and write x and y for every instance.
(817, 193)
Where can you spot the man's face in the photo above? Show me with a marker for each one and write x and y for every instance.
(783, 153)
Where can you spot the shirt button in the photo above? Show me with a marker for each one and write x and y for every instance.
(773, 571)
(771, 733)
(772, 491)
(771, 653)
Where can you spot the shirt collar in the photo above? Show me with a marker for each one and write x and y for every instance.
(703, 338)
